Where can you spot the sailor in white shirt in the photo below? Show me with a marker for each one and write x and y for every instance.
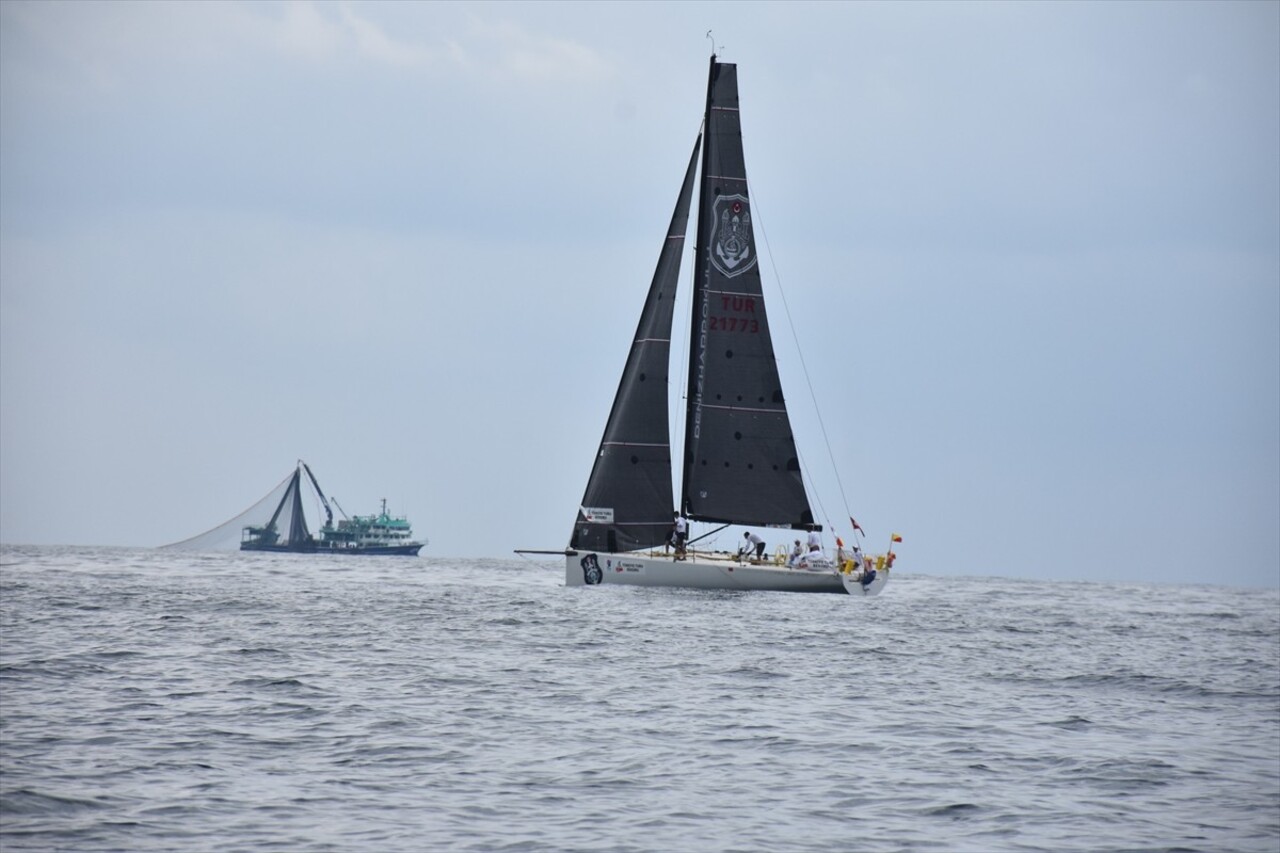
(815, 539)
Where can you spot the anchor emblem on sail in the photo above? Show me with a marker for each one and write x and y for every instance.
(731, 251)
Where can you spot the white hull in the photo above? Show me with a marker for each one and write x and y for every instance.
(589, 568)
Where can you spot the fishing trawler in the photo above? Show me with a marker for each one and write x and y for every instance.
(287, 532)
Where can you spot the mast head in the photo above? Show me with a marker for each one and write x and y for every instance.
(714, 49)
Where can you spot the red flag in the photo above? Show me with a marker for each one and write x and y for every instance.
(856, 527)
(896, 538)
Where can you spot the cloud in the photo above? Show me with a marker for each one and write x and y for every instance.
(306, 33)
(526, 55)
(372, 42)
(485, 46)
(310, 31)
(113, 46)
(70, 53)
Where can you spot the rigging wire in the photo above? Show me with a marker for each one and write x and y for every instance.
(803, 367)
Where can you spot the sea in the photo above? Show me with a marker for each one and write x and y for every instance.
(155, 700)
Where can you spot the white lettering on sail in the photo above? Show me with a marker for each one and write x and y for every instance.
(703, 313)
(598, 515)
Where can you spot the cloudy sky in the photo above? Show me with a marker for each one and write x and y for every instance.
(1031, 252)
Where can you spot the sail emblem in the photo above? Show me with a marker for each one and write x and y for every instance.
(731, 251)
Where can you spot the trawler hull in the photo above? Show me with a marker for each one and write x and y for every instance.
(368, 551)
(589, 568)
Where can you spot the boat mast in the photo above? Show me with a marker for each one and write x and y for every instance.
(701, 307)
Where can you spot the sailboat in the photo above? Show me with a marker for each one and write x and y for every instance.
(740, 465)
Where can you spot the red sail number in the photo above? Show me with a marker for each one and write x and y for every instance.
(749, 325)
(730, 304)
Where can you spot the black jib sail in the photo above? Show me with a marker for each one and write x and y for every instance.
(740, 463)
(627, 504)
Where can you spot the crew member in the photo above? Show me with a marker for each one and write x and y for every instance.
(815, 539)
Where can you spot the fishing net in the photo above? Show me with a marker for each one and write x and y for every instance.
(228, 535)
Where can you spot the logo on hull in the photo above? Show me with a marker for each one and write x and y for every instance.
(591, 572)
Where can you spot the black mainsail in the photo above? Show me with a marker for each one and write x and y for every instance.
(627, 504)
(740, 463)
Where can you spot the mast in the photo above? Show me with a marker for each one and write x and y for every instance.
(700, 313)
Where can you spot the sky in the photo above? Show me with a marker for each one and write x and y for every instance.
(1030, 253)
